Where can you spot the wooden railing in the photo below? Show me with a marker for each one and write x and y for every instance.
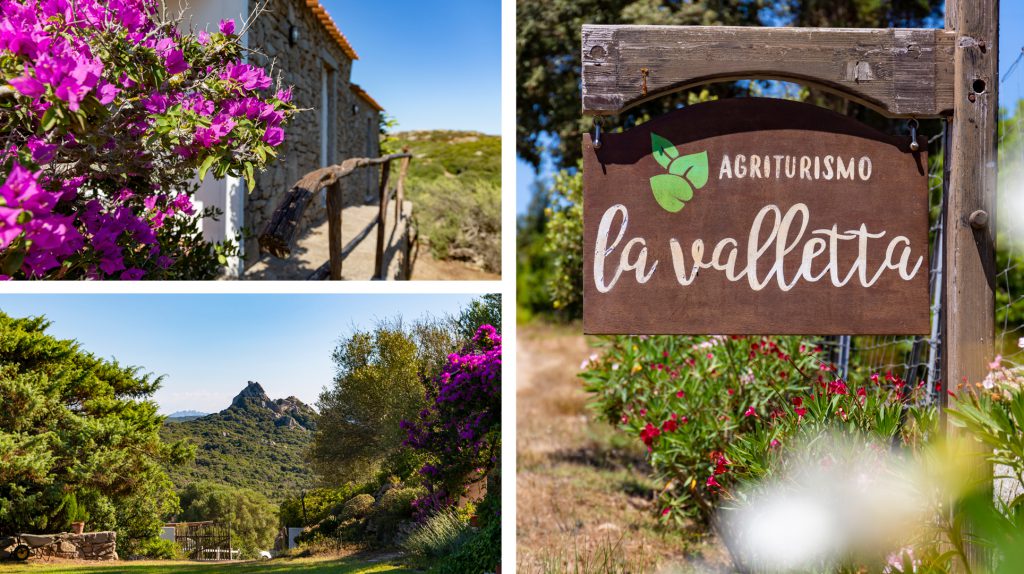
(279, 235)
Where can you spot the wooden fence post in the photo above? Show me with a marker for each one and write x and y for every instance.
(970, 215)
(382, 216)
(400, 189)
(335, 199)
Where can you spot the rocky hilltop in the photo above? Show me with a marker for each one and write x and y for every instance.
(256, 442)
(289, 412)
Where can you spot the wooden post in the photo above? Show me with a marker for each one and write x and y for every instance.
(334, 219)
(400, 193)
(382, 219)
(970, 215)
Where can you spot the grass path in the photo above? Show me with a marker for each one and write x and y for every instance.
(349, 565)
(585, 501)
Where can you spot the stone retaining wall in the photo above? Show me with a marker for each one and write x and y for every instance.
(88, 546)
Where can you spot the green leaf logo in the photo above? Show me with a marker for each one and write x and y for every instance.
(685, 173)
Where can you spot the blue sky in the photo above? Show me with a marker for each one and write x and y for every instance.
(1011, 38)
(432, 65)
(210, 345)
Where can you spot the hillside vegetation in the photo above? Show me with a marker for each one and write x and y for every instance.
(454, 182)
(255, 443)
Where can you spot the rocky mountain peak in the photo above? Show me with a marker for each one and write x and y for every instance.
(290, 412)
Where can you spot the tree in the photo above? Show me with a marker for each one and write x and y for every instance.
(107, 113)
(485, 310)
(378, 384)
(460, 430)
(548, 117)
(251, 516)
(73, 424)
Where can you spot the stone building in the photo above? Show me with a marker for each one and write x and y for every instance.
(297, 41)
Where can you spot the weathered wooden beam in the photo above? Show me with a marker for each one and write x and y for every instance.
(278, 235)
(970, 271)
(382, 216)
(898, 72)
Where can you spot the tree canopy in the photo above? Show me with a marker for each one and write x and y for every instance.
(76, 426)
(382, 377)
(252, 517)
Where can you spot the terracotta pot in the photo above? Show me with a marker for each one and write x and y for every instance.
(77, 527)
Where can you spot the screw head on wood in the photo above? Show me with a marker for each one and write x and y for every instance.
(979, 219)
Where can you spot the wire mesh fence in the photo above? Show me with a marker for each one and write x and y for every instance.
(918, 359)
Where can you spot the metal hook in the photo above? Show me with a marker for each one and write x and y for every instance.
(914, 146)
(598, 121)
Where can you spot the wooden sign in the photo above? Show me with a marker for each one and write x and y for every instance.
(755, 216)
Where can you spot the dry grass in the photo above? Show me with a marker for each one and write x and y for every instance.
(585, 499)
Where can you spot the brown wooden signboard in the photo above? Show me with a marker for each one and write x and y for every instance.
(755, 216)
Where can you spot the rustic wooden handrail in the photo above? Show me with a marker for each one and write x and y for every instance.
(280, 233)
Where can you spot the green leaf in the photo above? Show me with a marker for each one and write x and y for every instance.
(250, 180)
(693, 167)
(206, 166)
(49, 118)
(671, 191)
(663, 150)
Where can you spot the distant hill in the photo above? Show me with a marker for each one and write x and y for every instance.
(180, 416)
(256, 443)
(454, 182)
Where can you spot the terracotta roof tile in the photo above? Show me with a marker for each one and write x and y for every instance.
(366, 97)
(332, 28)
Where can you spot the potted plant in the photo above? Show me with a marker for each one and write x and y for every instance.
(75, 513)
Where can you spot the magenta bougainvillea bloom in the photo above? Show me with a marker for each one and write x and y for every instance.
(100, 149)
(462, 426)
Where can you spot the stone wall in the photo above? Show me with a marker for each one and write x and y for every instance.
(302, 66)
(88, 546)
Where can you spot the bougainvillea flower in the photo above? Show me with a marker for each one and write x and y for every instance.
(273, 136)
(227, 26)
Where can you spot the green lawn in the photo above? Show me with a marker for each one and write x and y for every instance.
(349, 565)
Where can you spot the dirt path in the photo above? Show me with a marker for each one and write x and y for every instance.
(429, 269)
(584, 494)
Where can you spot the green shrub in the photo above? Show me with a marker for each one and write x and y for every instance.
(358, 507)
(158, 549)
(439, 536)
(398, 501)
(480, 552)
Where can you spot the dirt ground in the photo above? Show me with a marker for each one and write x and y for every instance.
(429, 269)
(585, 499)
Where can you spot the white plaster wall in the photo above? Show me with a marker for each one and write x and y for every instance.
(227, 195)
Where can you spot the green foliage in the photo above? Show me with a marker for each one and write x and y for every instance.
(358, 507)
(243, 448)
(252, 518)
(398, 501)
(73, 423)
(379, 383)
(437, 537)
(480, 552)
(564, 243)
(485, 310)
(158, 549)
(310, 507)
(454, 181)
(688, 398)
